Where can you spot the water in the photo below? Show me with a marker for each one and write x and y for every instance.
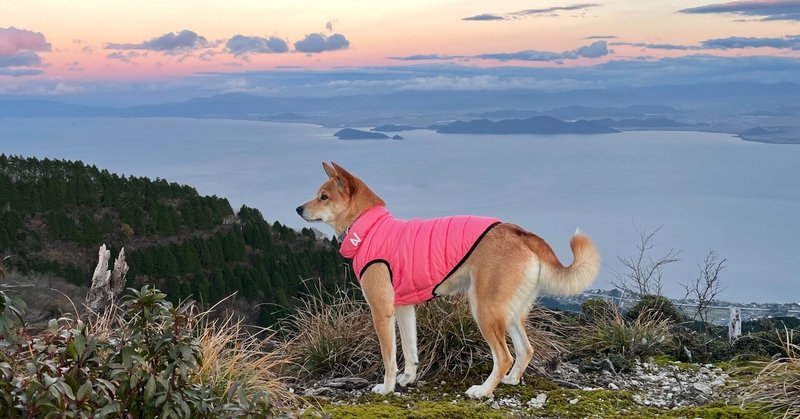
(709, 191)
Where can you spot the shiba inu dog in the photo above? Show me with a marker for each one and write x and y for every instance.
(499, 266)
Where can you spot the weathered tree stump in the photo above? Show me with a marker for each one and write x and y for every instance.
(106, 283)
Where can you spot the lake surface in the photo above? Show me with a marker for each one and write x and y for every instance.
(708, 191)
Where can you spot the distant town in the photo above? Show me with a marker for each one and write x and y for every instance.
(719, 312)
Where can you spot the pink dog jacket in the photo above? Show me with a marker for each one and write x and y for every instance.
(420, 254)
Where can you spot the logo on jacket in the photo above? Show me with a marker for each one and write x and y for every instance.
(355, 240)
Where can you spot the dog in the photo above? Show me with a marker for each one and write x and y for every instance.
(499, 266)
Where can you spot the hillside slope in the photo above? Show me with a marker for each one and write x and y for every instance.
(54, 214)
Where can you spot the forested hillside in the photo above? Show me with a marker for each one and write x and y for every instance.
(54, 214)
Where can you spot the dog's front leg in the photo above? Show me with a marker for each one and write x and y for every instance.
(378, 291)
(407, 322)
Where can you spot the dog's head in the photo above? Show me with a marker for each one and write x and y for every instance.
(340, 199)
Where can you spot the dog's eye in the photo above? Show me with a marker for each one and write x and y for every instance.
(323, 197)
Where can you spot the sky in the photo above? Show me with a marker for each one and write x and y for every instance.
(69, 47)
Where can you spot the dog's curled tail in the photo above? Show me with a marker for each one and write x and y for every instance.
(560, 280)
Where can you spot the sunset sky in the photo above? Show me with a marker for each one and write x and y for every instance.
(62, 47)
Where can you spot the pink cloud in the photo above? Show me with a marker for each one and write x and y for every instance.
(13, 40)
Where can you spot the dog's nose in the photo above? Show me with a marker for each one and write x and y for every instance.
(299, 210)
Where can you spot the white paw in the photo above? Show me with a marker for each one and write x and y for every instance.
(381, 389)
(510, 379)
(405, 379)
(476, 392)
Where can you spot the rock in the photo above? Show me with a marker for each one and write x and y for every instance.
(347, 383)
(318, 392)
(538, 401)
(573, 401)
(612, 386)
(703, 388)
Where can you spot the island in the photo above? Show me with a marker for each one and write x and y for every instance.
(534, 125)
(393, 128)
(357, 134)
(639, 123)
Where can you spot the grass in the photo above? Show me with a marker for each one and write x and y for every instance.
(647, 335)
(234, 360)
(451, 344)
(777, 386)
(332, 335)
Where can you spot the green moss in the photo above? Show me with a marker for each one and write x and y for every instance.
(533, 387)
(593, 404)
(411, 409)
(743, 366)
(717, 411)
(663, 360)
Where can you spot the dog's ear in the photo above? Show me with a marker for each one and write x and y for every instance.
(330, 171)
(344, 180)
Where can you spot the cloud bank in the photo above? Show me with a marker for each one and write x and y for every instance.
(594, 50)
(170, 43)
(734, 42)
(547, 11)
(766, 9)
(242, 45)
(19, 52)
(317, 42)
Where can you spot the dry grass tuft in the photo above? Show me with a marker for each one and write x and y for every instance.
(649, 334)
(233, 360)
(333, 335)
(777, 386)
(451, 344)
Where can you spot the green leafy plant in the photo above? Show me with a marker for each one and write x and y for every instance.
(11, 307)
(650, 305)
(142, 358)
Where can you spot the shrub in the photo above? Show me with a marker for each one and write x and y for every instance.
(767, 343)
(631, 339)
(11, 307)
(595, 308)
(141, 359)
(656, 305)
(777, 386)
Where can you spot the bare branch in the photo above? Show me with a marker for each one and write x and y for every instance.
(642, 274)
(707, 286)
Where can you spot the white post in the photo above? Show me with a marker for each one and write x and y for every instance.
(735, 324)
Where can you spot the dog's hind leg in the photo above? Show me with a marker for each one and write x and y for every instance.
(522, 349)
(492, 320)
(378, 290)
(407, 322)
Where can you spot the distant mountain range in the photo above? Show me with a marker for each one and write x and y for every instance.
(580, 111)
(246, 106)
(639, 123)
(534, 125)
